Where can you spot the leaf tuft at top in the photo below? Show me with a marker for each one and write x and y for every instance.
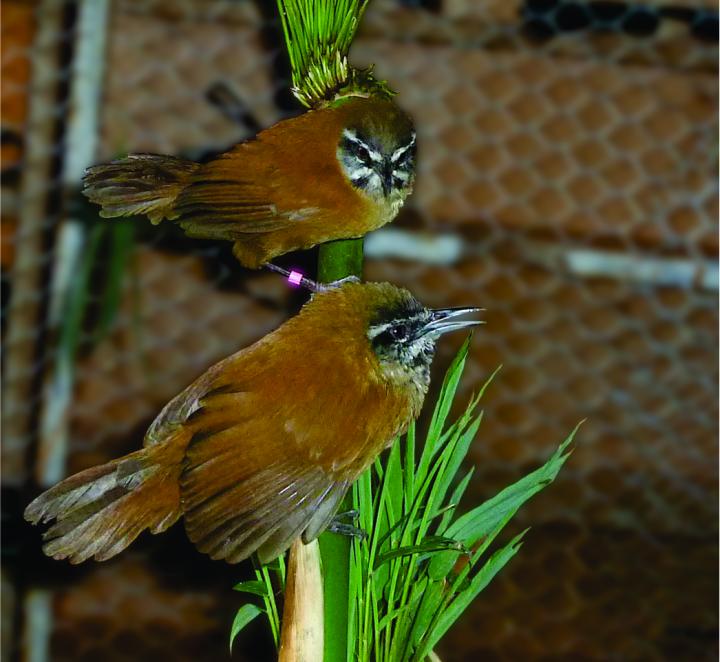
(318, 34)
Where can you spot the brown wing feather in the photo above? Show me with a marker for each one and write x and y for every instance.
(246, 486)
(220, 204)
(101, 510)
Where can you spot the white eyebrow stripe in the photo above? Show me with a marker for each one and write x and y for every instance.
(401, 150)
(375, 156)
(376, 330)
(361, 172)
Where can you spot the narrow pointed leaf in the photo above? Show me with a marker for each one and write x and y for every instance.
(429, 545)
(245, 615)
(254, 586)
(496, 562)
(477, 523)
(454, 501)
(444, 403)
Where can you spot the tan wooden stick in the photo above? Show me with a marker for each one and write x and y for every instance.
(301, 636)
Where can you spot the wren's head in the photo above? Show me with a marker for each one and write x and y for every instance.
(403, 335)
(377, 153)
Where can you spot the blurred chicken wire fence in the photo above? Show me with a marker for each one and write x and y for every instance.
(567, 183)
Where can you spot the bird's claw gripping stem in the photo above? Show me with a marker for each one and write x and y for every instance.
(352, 515)
(337, 283)
(344, 529)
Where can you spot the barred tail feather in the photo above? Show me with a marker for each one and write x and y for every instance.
(100, 511)
(145, 184)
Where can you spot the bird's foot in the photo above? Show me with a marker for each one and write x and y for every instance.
(340, 526)
(352, 515)
(338, 283)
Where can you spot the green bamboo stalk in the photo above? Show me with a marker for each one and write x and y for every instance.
(336, 260)
(339, 259)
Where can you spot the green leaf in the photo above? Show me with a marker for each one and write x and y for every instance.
(429, 544)
(442, 409)
(392, 486)
(426, 612)
(496, 562)
(121, 245)
(409, 466)
(254, 586)
(457, 454)
(388, 618)
(262, 572)
(477, 523)
(245, 615)
(468, 427)
(448, 389)
(409, 522)
(454, 500)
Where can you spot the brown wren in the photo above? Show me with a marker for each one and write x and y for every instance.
(262, 447)
(338, 171)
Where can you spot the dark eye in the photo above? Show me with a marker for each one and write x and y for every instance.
(362, 153)
(399, 333)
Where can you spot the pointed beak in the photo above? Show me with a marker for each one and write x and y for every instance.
(444, 320)
(386, 178)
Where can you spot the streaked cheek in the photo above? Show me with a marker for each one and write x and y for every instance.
(401, 177)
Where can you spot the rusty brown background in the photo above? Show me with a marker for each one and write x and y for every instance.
(570, 154)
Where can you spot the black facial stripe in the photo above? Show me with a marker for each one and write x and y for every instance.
(408, 310)
(404, 152)
(361, 182)
(405, 158)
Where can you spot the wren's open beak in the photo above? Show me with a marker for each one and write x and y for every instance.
(443, 320)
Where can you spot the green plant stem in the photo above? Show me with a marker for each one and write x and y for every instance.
(339, 259)
(336, 260)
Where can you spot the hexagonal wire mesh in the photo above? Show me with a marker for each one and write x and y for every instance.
(568, 158)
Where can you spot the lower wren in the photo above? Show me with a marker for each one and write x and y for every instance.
(262, 448)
